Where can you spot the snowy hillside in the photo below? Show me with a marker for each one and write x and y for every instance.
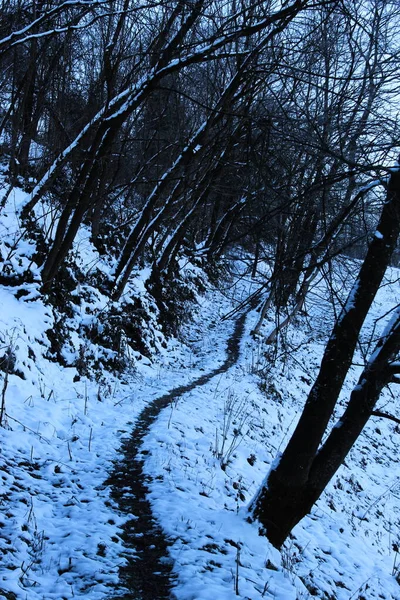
(64, 418)
(199, 300)
(209, 454)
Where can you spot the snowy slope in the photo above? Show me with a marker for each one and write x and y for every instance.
(60, 532)
(208, 452)
(347, 547)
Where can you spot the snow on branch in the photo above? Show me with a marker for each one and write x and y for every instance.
(22, 35)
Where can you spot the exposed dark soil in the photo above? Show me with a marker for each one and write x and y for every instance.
(149, 572)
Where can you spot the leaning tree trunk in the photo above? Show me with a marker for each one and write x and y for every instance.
(290, 490)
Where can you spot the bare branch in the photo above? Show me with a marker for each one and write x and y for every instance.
(378, 413)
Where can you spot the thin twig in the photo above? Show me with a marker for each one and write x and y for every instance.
(28, 428)
(378, 413)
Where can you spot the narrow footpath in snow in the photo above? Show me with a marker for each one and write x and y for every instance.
(148, 572)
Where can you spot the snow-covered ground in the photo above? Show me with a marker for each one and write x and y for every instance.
(208, 454)
(347, 547)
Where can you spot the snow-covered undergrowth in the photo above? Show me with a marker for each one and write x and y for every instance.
(208, 453)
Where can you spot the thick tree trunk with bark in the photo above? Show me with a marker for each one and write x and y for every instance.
(303, 470)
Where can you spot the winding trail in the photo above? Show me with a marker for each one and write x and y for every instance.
(148, 574)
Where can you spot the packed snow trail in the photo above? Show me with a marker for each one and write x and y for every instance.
(148, 574)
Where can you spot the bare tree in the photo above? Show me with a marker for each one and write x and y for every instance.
(306, 466)
(175, 50)
(332, 89)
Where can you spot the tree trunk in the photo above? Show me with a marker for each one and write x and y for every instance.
(302, 472)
